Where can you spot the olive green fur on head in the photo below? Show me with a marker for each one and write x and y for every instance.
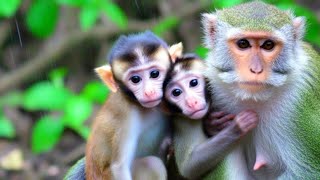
(256, 16)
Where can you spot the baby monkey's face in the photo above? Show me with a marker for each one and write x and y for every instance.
(186, 90)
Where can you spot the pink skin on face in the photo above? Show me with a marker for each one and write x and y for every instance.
(187, 91)
(145, 81)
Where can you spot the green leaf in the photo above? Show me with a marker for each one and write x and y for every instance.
(88, 17)
(7, 129)
(46, 133)
(83, 131)
(45, 96)
(77, 110)
(57, 76)
(165, 25)
(224, 4)
(14, 98)
(76, 3)
(95, 91)
(9, 7)
(115, 14)
(201, 51)
(42, 17)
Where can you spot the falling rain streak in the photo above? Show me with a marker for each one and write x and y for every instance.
(18, 30)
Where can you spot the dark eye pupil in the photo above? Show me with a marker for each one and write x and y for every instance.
(154, 74)
(193, 83)
(135, 79)
(268, 45)
(243, 43)
(176, 92)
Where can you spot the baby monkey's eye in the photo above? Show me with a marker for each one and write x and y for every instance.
(243, 44)
(268, 45)
(154, 74)
(193, 83)
(176, 92)
(135, 79)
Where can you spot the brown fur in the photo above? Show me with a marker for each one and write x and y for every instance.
(98, 151)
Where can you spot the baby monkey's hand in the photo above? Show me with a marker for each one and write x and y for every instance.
(216, 122)
(245, 121)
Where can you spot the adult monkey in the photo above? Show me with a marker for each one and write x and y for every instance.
(258, 61)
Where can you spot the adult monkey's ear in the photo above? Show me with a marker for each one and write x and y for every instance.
(175, 51)
(209, 23)
(105, 74)
(299, 24)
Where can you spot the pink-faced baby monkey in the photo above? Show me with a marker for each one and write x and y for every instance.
(186, 97)
(128, 132)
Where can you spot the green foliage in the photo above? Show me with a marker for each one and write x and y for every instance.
(76, 3)
(115, 14)
(14, 98)
(42, 17)
(46, 133)
(95, 91)
(83, 131)
(9, 7)
(72, 110)
(90, 11)
(201, 51)
(77, 110)
(45, 96)
(56, 76)
(165, 25)
(88, 17)
(7, 129)
(225, 4)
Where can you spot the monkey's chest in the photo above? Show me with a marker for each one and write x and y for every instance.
(154, 128)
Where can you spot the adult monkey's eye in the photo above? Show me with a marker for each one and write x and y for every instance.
(193, 83)
(135, 79)
(176, 92)
(268, 45)
(243, 44)
(154, 74)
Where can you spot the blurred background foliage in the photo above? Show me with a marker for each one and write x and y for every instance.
(48, 50)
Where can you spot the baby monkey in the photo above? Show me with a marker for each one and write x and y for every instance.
(128, 132)
(186, 97)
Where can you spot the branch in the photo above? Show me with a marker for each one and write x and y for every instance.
(4, 31)
(56, 48)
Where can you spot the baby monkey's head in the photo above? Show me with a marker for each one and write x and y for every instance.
(138, 65)
(185, 87)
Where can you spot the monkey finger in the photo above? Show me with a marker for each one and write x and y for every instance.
(248, 124)
(224, 125)
(243, 116)
(218, 114)
(249, 128)
(222, 120)
(246, 112)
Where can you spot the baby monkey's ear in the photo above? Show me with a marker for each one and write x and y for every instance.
(175, 51)
(105, 74)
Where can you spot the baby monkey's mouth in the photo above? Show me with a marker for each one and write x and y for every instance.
(151, 103)
(198, 114)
